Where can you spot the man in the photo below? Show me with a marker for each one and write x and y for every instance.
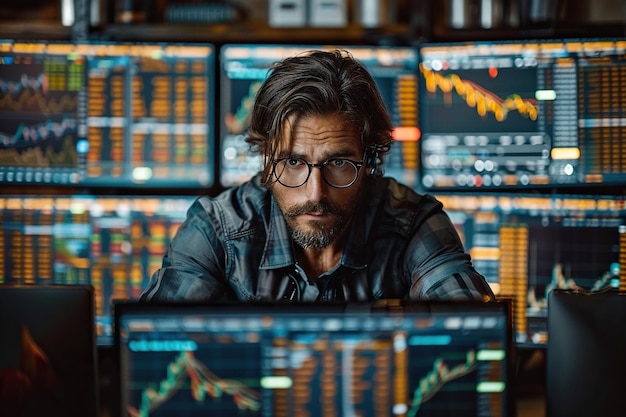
(319, 223)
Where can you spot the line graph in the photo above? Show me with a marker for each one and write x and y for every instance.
(440, 375)
(42, 156)
(26, 136)
(478, 97)
(39, 102)
(37, 83)
(237, 122)
(35, 101)
(203, 383)
(560, 281)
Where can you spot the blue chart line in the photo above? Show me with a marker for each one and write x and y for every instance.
(203, 383)
(27, 136)
(39, 83)
(440, 375)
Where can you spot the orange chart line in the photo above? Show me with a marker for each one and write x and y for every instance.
(476, 96)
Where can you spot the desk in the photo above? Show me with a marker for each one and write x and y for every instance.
(530, 390)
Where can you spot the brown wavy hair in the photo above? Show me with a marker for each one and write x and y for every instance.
(318, 83)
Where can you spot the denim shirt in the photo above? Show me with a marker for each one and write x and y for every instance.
(237, 246)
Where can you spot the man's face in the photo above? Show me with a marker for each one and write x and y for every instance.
(316, 212)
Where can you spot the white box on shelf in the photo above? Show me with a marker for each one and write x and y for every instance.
(287, 13)
(327, 13)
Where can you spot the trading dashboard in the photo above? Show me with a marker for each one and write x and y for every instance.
(512, 114)
(111, 243)
(527, 245)
(107, 114)
(286, 360)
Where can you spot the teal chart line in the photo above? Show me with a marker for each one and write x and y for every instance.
(440, 375)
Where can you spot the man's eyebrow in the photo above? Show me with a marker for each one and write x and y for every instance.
(343, 153)
(339, 153)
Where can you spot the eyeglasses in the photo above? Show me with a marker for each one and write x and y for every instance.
(337, 172)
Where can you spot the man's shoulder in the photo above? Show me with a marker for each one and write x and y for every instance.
(396, 206)
(400, 196)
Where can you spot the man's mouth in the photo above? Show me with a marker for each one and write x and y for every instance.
(315, 210)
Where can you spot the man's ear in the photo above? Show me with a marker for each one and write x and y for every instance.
(371, 159)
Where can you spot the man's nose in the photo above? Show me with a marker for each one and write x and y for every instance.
(316, 186)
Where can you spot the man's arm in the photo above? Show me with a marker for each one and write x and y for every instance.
(439, 266)
(193, 267)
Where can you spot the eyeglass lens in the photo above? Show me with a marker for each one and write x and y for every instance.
(294, 172)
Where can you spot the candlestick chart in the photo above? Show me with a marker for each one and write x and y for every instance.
(192, 383)
(187, 372)
(434, 380)
(475, 98)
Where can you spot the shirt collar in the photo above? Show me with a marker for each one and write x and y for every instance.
(278, 251)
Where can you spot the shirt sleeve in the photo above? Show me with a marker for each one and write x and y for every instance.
(193, 267)
(439, 266)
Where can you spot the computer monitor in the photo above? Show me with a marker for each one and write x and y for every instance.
(522, 114)
(386, 358)
(585, 361)
(243, 68)
(527, 245)
(113, 243)
(48, 360)
(113, 114)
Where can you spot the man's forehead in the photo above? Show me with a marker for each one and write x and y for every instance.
(327, 129)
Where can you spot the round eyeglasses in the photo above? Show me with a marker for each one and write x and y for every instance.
(337, 172)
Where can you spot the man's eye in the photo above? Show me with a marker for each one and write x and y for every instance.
(294, 162)
(337, 163)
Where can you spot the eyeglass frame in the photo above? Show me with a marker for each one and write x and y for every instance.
(357, 165)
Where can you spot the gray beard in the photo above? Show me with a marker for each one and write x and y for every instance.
(315, 236)
(318, 239)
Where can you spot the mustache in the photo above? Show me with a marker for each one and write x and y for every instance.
(323, 207)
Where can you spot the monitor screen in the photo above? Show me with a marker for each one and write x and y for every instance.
(528, 245)
(113, 243)
(244, 68)
(540, 113)
(107, 114)
(585, 362)
(320, 360)
(48, 363)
